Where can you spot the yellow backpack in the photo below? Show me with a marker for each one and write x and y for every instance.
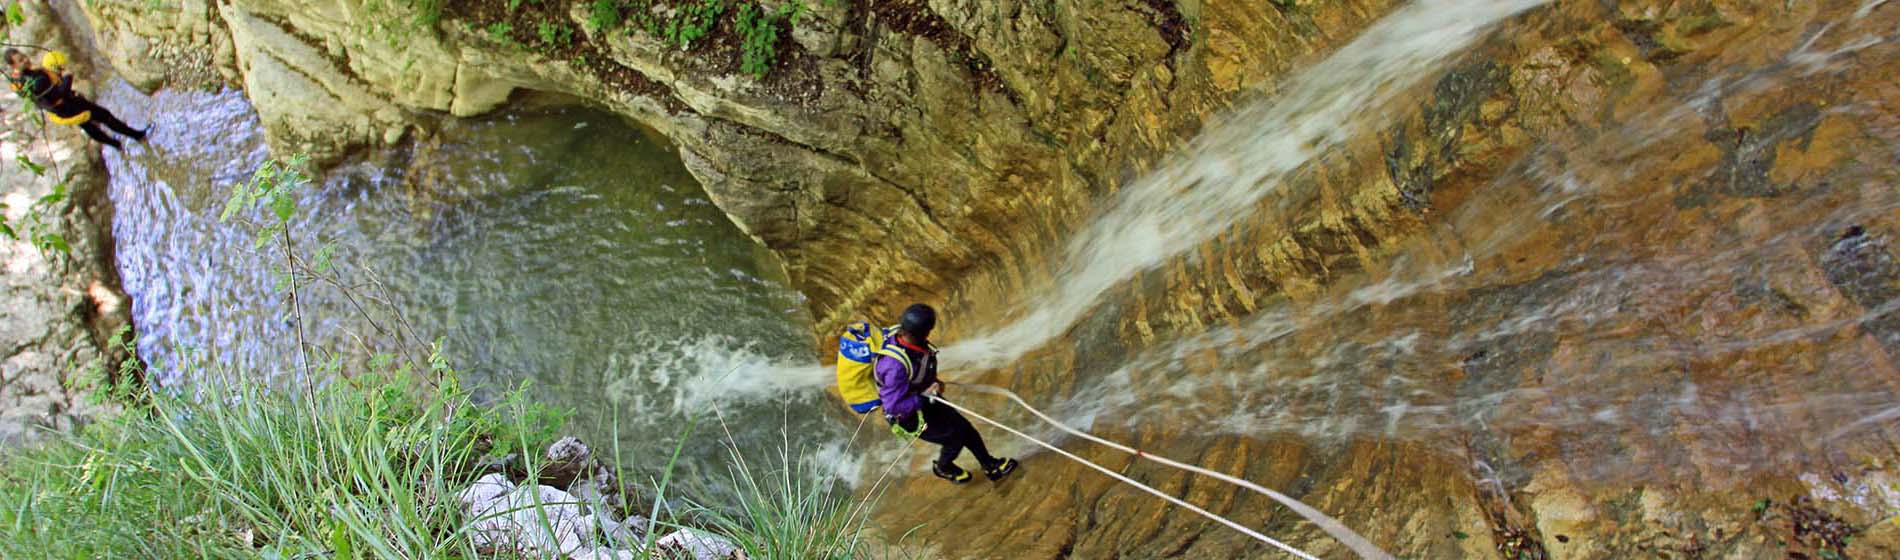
(858, 349)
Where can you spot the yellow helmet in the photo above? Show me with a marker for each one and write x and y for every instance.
(53, 60)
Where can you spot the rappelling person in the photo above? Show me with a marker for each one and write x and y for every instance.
(906, 371)
(52, 91)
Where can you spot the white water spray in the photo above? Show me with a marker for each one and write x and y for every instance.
(1193, 197)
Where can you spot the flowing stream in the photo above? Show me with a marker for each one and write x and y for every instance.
(559, 246)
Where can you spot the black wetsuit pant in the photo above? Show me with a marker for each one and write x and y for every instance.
(944, 426)
(74, 104)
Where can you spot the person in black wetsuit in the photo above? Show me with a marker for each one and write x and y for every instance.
(906, 371)
(53, 92)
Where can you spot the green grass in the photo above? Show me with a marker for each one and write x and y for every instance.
(364, 467)
(233, 470)
(777, 511)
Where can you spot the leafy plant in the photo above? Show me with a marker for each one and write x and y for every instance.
(693, 22)
(555, 34)
(501, 32)
(39, 230)
(428, 12)
(123, 385)
(603, 15)
(758, 40)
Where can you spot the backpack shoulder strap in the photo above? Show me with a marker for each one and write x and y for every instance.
(895, 351)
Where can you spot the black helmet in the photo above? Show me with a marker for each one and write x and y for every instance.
(918, 320)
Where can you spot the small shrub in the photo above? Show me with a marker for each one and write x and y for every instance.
(501, 32)
(555, 34)
(693, 22)
(758, 41)
(603, 15)
(428, 12)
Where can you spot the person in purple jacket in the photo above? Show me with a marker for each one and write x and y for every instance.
(906, 371)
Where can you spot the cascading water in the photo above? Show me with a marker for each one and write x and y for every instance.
(558, 245)
(1242, 159)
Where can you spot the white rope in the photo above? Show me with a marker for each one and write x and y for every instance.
(1118, 476)
(1339, 531)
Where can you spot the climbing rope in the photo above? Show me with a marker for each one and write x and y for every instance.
(1339, 531)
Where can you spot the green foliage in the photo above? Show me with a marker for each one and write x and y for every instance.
(603, 15)
(27, 165)
(274, 186)
(15, 14)
(226, 470)
(781, 511)
(758, 36)
(501, 32)
(39, 229)
(395, 21)
(428, 12)
(555, 34)
(122, 384)
(693, 21)
(687, 24)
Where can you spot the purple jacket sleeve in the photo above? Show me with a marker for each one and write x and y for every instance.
(893, 387)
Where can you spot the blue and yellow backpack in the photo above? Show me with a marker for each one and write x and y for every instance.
(857, 354)
(858, 349)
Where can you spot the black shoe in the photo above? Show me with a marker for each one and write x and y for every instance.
(145, 132)
(951, 472)
(1000, 469)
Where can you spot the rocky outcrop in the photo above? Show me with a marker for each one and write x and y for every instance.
(564, 514)
(59, 311)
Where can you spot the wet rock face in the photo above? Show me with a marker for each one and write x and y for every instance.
(1620, 275)
(57, 312)
(1863, 267)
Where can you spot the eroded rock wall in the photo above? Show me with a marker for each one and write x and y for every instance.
(57, 311)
